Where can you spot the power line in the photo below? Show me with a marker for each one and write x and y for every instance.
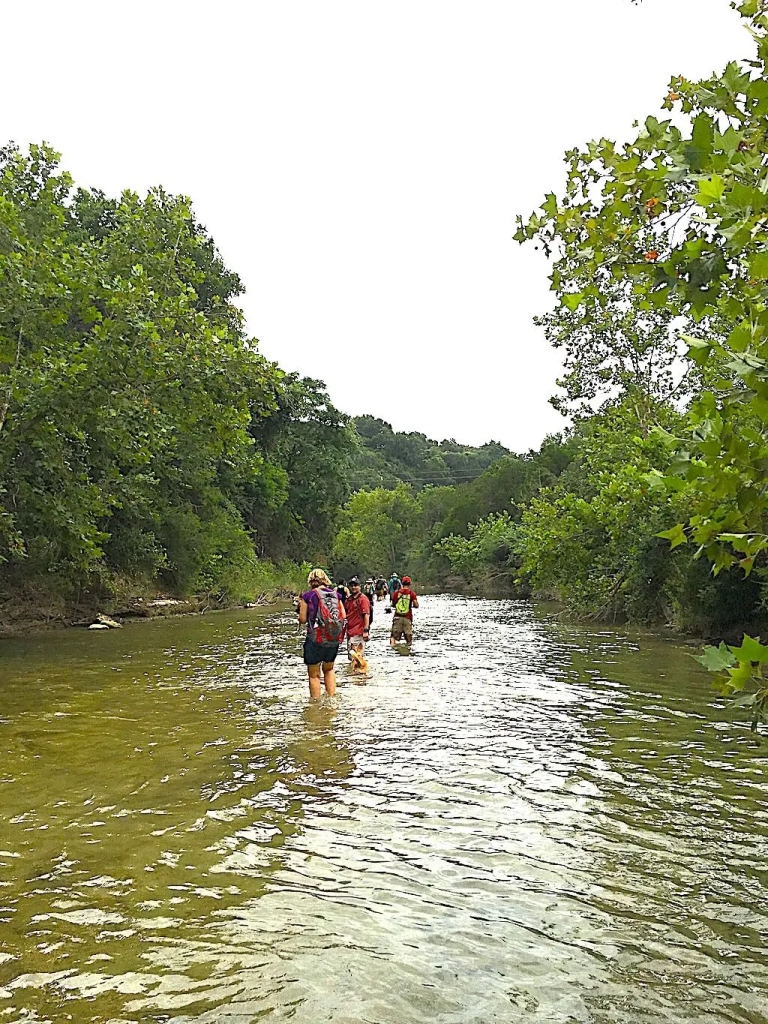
(424, 479)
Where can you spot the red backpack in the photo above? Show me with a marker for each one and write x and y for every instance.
(330, 622)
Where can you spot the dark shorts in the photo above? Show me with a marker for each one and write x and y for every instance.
(315, 653)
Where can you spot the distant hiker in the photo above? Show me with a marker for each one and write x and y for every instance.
(358, 609)
(393, 584)
(381, 588)
(325, 618)
(404, 601)
(370, 592)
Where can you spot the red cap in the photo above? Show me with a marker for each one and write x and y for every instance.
(406, 579)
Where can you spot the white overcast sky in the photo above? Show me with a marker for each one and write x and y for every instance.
(360, 165)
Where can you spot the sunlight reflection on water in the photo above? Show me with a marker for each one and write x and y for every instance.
(521, 821)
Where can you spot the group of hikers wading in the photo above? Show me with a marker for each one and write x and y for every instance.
(333, 613)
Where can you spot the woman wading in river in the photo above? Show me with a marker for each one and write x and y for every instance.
(323, 613)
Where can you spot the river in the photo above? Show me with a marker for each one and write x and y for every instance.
(525, 820)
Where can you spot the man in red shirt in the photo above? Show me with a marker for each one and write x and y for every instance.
(404, 601)
(358, 609)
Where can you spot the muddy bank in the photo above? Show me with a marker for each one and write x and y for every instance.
(19, 617)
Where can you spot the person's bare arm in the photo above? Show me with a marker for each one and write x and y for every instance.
(415, 601)
(303, 611)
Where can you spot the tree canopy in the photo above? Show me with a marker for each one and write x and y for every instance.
(141, 432)
(674, 221)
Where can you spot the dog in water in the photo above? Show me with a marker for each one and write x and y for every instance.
(359, 661)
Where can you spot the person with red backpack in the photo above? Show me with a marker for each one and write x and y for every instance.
(323, 614)
(404, 600)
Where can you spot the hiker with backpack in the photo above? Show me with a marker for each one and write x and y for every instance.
(323, 614)
(393, 583)
(358, 609)
(404, 600)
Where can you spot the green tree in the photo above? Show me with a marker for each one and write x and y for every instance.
(614, 349)
(488, 559)
(127, 387)
(377, 531)
(386, 457)
(700, 190)
(590, 539)
(309, 446)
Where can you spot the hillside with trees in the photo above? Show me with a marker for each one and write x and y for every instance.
(660, 266)
(388, 457)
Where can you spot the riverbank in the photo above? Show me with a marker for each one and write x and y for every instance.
(37, 608)
(43, 620)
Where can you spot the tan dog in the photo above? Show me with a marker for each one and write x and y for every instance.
(359, 661)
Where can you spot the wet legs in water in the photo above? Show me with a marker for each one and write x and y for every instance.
(329, 678)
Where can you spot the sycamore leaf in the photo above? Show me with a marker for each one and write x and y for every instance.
(740, 338)
(758, 265)
(744, 700)
(716, 659)
(676, 536)
(739, 677)
(572, 300)
(739, 541)
(696, 342)
(710, 190)
(750, 650)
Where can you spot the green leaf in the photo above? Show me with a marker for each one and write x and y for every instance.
(572, 300)
(716, 659)
(740, 541)
(549, 206)
(740, 338)
(676, 536)
(710, 190)
(744, 700)
(758, 265)
(750, 650)
(695, 343)
(739, 677)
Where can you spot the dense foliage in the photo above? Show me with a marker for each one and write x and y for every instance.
(387, 457)
(675, 222)
(421, 530)
(142, 436)
(144, 443)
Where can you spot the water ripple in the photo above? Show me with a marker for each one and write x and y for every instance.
(522, 821)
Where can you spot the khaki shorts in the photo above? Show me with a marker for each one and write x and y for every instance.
(402, 628)
(357, 642)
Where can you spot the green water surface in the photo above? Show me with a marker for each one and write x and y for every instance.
(523, 821)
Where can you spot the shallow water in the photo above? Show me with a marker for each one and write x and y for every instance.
(523, 821)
